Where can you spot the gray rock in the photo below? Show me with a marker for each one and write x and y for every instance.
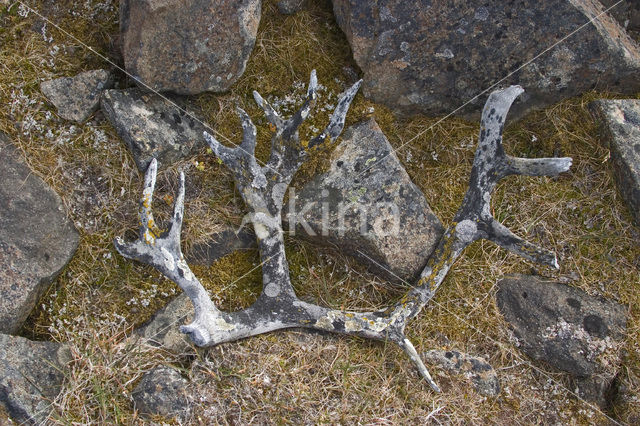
(482, 375)
(31, 376)
(620, 124)
(424, 56)
(371, 208)
(188, 46)
(163, 330)
(151, 126)
(565, 327)
(163, 392)
(289, 7)
(36, 238)
(76, 98)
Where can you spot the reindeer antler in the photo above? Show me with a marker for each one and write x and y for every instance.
(263, 188)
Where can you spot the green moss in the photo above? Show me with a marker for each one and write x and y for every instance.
(235, 281)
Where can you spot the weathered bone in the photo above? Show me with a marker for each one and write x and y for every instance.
(263, 189)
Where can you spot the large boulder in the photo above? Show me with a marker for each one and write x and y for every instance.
(31, 376)
(567, 328)
(36, 238)
(424, 56)
(152, 126)
(188, 46)
(367, 205)
(620, 124)
(76, 98)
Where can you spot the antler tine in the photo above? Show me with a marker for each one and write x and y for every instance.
(538, 166)
(178, 213)
(292, 124)
(247, 147)
(410, 350)
(160, 245)
(227, 155)
(148, 230)
(336, 122)
(241, 159)
(248, 133)
(502, 236)
(269, 112)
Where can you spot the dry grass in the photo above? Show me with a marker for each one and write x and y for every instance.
(295, 376)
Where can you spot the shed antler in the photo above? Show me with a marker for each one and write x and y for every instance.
(262, 189)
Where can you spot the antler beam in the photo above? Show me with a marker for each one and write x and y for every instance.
(263, 188)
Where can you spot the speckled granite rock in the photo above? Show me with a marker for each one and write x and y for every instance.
(567, 328)
(162, 392)
(424, 56)
(76, 98)
(371, 209)
(482, 375)
(620, 124)
(31, 376)
(188, 46)
(151, 126)
(36, 238)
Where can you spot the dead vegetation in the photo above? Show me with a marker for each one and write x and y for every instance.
(290, 377)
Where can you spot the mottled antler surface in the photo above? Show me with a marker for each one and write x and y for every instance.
(263, 188)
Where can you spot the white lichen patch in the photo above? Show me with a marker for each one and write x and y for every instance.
(570, 331)
(186, 271)
(271, 290)
(324, 323)
(352, 325)
(261, 231)
(221, 324)
(169, 261)
(466, 230)
(380, 324)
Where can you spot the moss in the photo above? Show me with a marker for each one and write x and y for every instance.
(235, 281)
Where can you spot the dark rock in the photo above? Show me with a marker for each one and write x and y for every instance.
(566, 328)
(31, 376)
(188, 46)
(152, 127)
(423, 56)
(222, 244)
(620, 124)
(289, 7)
(367, 181)
(482, 375)
(163, 330)
(76, 98)
(36, 238)
(163, 392)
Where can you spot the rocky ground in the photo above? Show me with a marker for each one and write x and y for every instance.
(89, 141)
